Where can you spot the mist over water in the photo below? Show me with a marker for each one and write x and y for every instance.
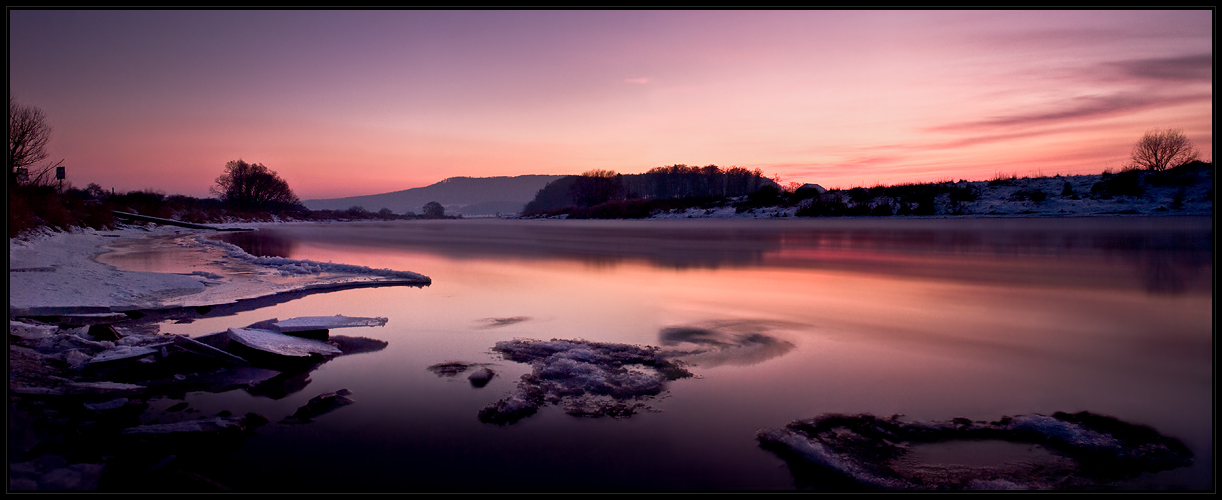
(778, 320)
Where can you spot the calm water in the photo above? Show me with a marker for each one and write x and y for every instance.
(931, 319)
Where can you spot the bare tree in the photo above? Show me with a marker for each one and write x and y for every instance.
(1159, 149)
(28, 134)
(252, 186)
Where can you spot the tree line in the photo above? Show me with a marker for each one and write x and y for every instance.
(654, 188)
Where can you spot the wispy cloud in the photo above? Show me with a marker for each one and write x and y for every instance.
(1077, 108)
(639, 80)
(1179, 69)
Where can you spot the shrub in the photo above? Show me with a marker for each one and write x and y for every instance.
(1128, 183)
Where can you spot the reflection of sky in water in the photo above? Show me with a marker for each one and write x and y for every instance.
(935, 325)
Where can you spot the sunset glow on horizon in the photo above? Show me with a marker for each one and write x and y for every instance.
(347, 103)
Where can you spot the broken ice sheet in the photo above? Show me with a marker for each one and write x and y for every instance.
(1064, 451)
(308, 323)
(281, 344)
(591, 379)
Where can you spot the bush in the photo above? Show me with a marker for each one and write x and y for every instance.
(619, 209)
(1127, 183)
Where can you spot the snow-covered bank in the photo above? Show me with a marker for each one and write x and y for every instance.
(58, 273)
(1059, 196)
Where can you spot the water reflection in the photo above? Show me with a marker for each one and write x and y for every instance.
(933, 319)
(1165, 256)
(260, 243)
(743, 342)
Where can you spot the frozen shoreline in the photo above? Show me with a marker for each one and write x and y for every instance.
(58, 273)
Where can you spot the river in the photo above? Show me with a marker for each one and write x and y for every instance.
(930, 319)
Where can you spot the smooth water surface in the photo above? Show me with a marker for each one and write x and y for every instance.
(928, 318)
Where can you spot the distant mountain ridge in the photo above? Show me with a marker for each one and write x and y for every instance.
(460, 195)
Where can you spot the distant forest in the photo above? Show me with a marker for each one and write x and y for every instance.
(605, 194)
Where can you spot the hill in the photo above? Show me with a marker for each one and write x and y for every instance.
(460, 195)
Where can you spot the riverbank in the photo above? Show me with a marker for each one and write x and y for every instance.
(57, 273)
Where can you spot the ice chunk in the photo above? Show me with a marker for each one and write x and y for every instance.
(126, 352)
(281, 344)
(587, 378)
(104, 388)
(307, 323)
(31, 331)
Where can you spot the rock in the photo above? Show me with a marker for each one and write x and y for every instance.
(104, 332)
(481, 377)
(319, 405)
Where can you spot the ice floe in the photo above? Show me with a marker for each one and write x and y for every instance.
(309, 323)
(281, 344)
(1066, 451)
(585, 378)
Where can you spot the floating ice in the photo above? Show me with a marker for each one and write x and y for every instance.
(586, 378)
(1084, 451)
(291, 267)
(281, 344)
(307, 323)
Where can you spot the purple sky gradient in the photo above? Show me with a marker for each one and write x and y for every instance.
(344, 103)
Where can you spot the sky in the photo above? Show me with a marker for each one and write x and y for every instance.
(347, 103)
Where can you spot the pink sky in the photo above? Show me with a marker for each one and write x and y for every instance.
(344, 103)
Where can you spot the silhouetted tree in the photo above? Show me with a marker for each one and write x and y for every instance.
(252, 186)
(1159, 149)
(28, 134)
(434, 210)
